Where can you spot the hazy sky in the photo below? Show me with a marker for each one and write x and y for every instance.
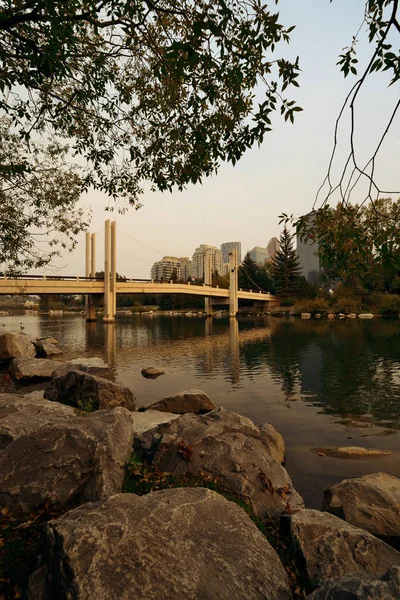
(242, 203)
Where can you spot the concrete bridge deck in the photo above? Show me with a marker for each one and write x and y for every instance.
(109, 287)
(36, 285)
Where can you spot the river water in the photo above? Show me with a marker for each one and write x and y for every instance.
(320, 383)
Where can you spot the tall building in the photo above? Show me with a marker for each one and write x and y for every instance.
(169, 266)
(259, 255)
(198, 260)
(308, 257)
(227, 247)
(186, 268)
(273, 247)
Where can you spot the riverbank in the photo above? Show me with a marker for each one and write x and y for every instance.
(219, 450)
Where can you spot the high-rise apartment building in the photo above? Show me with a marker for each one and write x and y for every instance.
(198, 260)
(308, 257)
(171, 266)
(273, 247)
(259, 255)
(227, 247)
(186, 268)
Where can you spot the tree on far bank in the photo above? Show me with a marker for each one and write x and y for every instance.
(358, 246)
(285, 267)
(248, 273)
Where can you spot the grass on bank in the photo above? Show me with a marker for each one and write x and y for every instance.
(382, 304)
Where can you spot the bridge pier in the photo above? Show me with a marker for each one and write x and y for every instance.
(263, 306)
(110, 271)
(208, 282)
(233, 283)
(90, 271)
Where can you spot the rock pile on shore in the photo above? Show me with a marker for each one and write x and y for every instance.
(181, 542)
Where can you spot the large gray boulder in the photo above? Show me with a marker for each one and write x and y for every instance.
(69, 461)
(178, 544)
(331, 547)
(22, 415)
(15, 345)
(27, 369)
(371, 502)
(227, 448)
(45, 348)
(93, 365)
(386, 587)
(89, 392)
(189, 401)
(143, 422)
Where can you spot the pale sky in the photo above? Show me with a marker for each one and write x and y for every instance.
(242, 203)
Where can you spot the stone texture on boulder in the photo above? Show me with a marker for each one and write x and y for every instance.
(189, 401)
(15, 345)
(45, 348)
(22, 415)
(371, 502)
(32, 368)
(353, 452)
(331, 547)
(85, 390)
(49, 340)
(152, 372)
(274, 441)
(69, 461)
(228, 448)
(144, 422)
(386, 587)
(94, 365)
(178, 544)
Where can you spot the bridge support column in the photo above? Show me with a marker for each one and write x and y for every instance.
(263, 306)
(90, 267)
(233, 283)
(109, 272)
(208, 281)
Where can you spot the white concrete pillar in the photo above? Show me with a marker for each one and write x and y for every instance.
(90, 311)
(93, 255)
(113, 269)
(233, 283)
(208, 282)
(90, 271)
(87, 256)
(108, 304)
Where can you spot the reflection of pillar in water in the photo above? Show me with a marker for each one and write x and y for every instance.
(110, 345)
(208, 327)
(234, 350)
(90, 335)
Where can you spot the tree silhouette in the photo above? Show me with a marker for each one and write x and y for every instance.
(285, 267)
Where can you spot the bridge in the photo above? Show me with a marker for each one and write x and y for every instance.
(109, 287)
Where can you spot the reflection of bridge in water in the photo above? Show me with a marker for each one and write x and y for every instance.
(109, 287)
(229, 340)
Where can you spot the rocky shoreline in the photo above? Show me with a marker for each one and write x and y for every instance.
(179, 499)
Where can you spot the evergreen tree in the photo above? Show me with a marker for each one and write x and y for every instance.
(286, 267)
(248, 274)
